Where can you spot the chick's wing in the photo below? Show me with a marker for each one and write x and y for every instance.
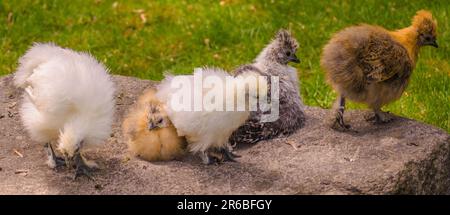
(382, 59)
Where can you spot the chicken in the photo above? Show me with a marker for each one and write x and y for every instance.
(207, 129)
(68, 101)
(148, 131)
(371, 65)
(273, 61)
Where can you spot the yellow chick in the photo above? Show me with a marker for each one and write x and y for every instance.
(149, 133)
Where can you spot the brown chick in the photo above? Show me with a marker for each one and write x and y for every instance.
(371, 65)
(149, 133)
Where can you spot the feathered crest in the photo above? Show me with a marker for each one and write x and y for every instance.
(286, 39)
(424, 22)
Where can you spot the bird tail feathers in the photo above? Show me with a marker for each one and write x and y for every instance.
(33, 58)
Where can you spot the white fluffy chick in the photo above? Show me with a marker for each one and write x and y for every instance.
(207, 131)
(69, 100)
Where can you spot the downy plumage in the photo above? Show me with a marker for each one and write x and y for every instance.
(68, 101)
(273, 61)
(207, 132)
(148, 131)
(372, 65)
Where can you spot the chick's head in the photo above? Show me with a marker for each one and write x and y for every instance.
(426, 28)
(285, 48)
(157, 117)
(69, 144)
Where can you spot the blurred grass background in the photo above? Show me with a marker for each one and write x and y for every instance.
(146, 38)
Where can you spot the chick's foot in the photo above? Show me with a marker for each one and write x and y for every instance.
(338, 123)
(379, 117)
(53, 161)
(228, 155)
(208, 158)
(82, 167)
(218, 155)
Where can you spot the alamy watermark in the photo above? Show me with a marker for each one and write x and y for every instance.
(226, 93)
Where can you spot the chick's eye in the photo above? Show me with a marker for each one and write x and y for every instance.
(160, 120)
(288, 53)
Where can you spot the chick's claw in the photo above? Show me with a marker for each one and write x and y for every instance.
(219, 155)
(228, 155)
(340, 126)
(379, 117)
(83, 170)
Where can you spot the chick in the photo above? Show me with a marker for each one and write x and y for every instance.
(69, 100)
(273, 61)
(148, 131)
(207, 131)
(371, 65)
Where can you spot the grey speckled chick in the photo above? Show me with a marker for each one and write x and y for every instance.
(272, 61)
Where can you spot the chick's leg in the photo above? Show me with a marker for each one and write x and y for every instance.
(207, 159)
(338, 123)
(53, 160)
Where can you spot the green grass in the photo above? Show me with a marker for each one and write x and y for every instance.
(181, 35)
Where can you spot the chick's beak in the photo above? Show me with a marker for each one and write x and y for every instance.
(151, 126)
(293, 58)
(431, 42)
(434, 44)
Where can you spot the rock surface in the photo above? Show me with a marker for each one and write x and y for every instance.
(403, 157)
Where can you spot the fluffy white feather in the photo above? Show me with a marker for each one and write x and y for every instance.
(69, 97)
(204, 129)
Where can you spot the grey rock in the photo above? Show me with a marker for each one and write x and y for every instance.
(402, 157)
